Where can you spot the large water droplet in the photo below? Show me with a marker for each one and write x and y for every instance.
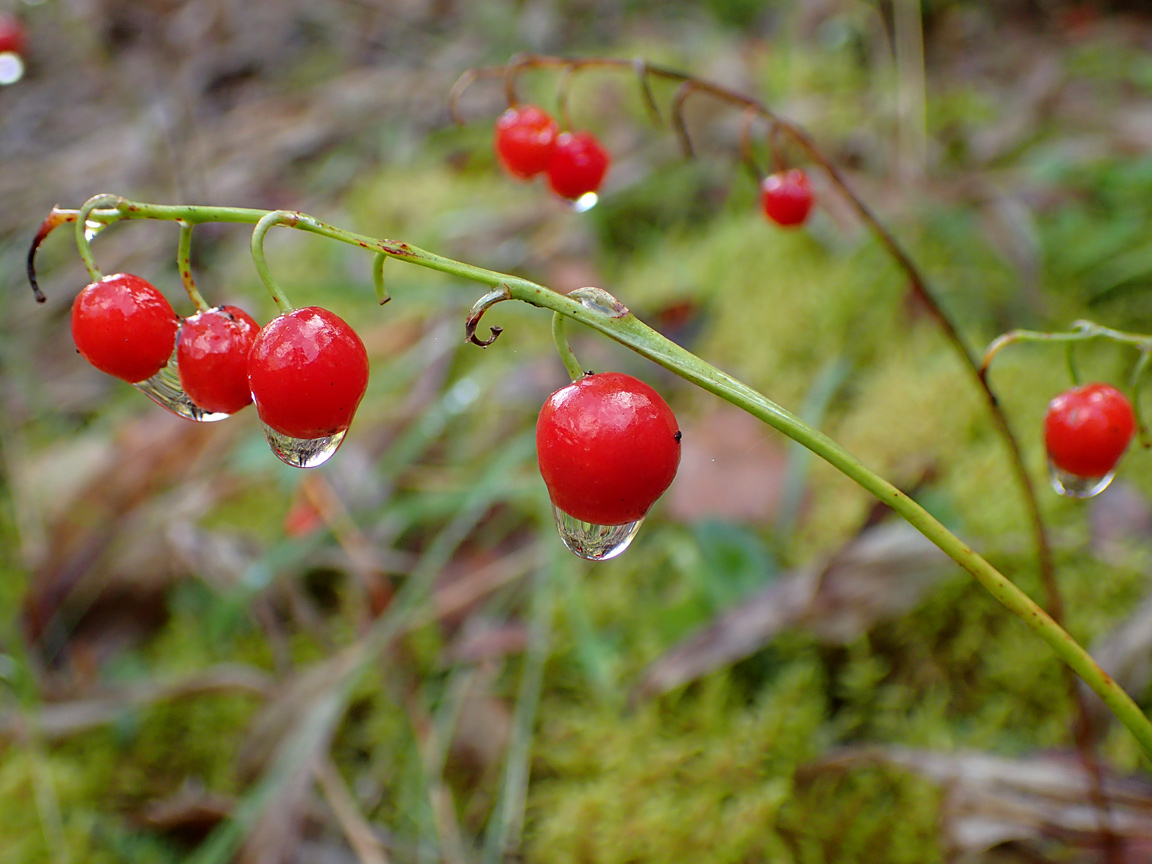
(11, 67)
(591, 541)
(582, 204)
(164, 389)
(303, 452)
(1075, 486)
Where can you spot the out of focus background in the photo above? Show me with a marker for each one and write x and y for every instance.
(190, 632)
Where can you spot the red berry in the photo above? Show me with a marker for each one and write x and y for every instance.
(13, 37)
(307, 371)
(212, 358)
(123, 326)
(786, 197)
(578, 166)
(1087, 429)
(525, 140)
(608, 447)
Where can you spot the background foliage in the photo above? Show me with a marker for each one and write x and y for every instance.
(176, 601)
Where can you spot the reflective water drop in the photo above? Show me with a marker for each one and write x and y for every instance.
(164, 389)
(1075, 486)
(11, 67)
(591, 541)
(92, 228)
(600, 301)
(303, 452)
(582, 204)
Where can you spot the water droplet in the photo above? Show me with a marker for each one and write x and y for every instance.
(600, 301)
(303, 452)
(591, 541)
(1075, 486)
(92, 228)
(164, 389)
(11, 67)
(582, 204)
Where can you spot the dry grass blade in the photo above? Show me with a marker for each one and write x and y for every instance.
(58, 721)
(877, 576)
(992, 800)
(356, 828)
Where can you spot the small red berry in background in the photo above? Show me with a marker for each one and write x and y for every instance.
(13, 37)
(578, 165)
(1087, 429)
(786, 197)
(125, 327)
(212, 358)
(307, 372)
(525, 140)
(608, 447)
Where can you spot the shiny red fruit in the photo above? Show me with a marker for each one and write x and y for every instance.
(1087, 429)
(525, 140)
(786, 197)
(307, 372)
(13, 37)
(212, 358)
(608, 447)
(123, 326)
(578, 166)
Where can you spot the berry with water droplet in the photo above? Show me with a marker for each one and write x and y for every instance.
(786, 197)
(13, 36)
(1087, 429)
(124, 326)
(578, 165)
(525, 140)
(212, 358)
(307, 372)
(608, 447)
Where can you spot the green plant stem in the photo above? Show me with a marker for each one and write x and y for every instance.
(622, 326)
(184, 264)
(382, 295)
(263, 225)
(560, 337)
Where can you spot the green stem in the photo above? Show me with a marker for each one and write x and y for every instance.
(85, 248)
(575, 371)
(263, 224)
(599, 311)
(382, 294)
(184, 264)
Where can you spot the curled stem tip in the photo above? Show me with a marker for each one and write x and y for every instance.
(51, 222)
(496, 295)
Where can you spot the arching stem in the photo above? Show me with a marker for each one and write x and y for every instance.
(277, 217)
(560, 337)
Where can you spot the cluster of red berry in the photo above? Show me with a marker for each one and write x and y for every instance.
(529, 142)
(306, 370)
(1086, 431)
